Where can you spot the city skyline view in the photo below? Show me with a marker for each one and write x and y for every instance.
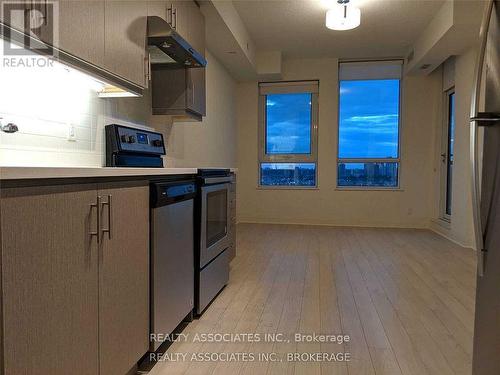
(368, 128)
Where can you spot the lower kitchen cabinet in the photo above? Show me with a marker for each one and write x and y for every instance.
(123, 277)
(49, 281)
(71, 305)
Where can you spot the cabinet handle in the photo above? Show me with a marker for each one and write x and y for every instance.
(45, 12)
(96, 206)
(174, 18)
(110, 219)
(147, 68)
(192, 93)
(28, 15)
(169, 12)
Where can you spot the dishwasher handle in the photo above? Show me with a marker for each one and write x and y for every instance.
(163, 194)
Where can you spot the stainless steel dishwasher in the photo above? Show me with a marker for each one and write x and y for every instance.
(172, 264)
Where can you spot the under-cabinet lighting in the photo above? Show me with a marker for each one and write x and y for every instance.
(115, 92)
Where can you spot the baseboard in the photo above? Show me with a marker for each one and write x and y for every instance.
(343, 225)
(450, 238)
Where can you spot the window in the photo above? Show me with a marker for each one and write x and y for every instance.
(369, 118)
(447, 155)
(288, 128)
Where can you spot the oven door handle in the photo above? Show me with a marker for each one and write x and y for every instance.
(217, 180)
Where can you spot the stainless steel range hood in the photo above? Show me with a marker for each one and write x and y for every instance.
(168, 49)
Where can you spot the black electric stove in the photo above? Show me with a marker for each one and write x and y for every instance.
(131, 147)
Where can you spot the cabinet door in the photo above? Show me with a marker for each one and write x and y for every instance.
(49, 280)
(158, 8)
(196, 33)
(15, 14)
(125, 39)
(123, 276)
(179, 91)
(178, 17)
(81, 29)
(195, 93)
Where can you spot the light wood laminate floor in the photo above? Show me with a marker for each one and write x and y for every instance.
(405, 298)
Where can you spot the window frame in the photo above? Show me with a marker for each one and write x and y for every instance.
(397, 160)
(287, 87)
(445, 150)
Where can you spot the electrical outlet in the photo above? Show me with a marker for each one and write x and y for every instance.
(71, 133)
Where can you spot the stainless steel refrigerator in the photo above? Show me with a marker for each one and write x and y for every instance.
(485, 141)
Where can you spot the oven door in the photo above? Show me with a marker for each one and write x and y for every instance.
(214, 221)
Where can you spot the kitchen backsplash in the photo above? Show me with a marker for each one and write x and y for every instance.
(49, 105)
(59, 116)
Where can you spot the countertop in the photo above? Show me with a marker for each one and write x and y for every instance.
(23, 173)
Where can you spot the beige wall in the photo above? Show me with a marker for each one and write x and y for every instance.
(460, 229)
(409, 207)
(54, 102)
(211, 143)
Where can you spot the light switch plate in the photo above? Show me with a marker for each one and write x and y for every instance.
(71, 133)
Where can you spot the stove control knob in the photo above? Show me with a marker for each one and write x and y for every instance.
(157, 143)
(123, 138)
(131, 139)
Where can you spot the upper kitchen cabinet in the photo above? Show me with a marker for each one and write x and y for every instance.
(178, 16)
(75, 27)
(181, 92)
(158, 8)
(15, 14)
(195, 33)
(106, 38)
(81, 29)
(38, 18)
(177, 13)
(125, 39)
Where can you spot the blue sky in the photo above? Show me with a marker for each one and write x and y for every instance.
(368, 127)
(288, 123)
(369, 112)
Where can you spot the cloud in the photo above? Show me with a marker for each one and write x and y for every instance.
(292, 144)
(373, 118)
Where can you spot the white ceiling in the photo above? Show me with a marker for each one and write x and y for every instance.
(297, 27)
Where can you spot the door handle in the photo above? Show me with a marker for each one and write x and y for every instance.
(96, 206)
(476, 200)
(108, 230)
(486, 119)
(476, 121)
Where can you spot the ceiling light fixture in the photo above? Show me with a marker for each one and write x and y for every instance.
(343, 16)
